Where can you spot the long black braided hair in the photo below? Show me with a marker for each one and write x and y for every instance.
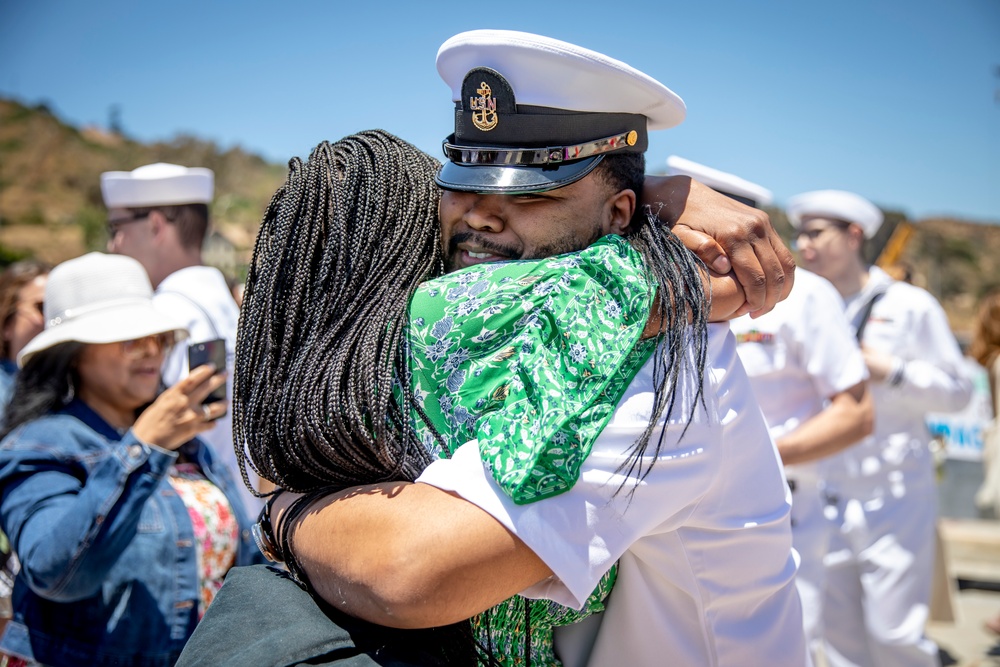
(343, 244)
(681, 306)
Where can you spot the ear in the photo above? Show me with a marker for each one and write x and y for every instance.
(620, 208)
(158, 225)
(857, 237)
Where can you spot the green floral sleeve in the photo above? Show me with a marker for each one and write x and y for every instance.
(530, 358)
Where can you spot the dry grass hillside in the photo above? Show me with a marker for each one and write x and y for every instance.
(50, 204)
(956, 261)
(50, 197)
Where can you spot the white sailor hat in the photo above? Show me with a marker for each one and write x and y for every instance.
(836, 204)
(159, 184)
(534, 113)
(730, 185)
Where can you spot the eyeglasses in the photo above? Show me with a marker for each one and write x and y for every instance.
(812, 234)
(161, 342)
(115, 224)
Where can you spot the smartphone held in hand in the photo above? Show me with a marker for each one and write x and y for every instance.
(209, 352)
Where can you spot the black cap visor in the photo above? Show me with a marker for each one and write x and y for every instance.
(512, 180)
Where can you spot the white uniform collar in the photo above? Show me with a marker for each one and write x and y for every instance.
(188, 277)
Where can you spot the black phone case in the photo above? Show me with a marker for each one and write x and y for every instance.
(209, 352)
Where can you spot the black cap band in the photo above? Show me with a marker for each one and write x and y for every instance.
(488, 115)
(538, 127)
(537, 157)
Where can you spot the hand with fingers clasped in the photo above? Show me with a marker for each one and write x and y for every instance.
(177, 415)
(752, 268)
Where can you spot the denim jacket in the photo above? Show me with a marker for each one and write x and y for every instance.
(8, 375)
(108, 565)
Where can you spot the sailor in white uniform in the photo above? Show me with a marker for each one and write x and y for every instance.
(880, 562)
(158, 215)
(808, 374)
(706, 568)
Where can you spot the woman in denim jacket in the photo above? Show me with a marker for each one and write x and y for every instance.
(125, 525)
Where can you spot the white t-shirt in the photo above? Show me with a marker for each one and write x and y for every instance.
(706, 567)
(199, 297)
(798, 356)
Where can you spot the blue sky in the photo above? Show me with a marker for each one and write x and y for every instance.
(898, 100)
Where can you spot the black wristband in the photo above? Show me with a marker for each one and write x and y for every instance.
(263, 533)
(284, 534)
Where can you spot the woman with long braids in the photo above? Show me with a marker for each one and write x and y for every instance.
(345, 375)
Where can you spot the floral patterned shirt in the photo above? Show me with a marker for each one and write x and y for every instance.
(216, 532)
(530, 358)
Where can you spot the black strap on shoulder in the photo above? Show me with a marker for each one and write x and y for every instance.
(208, 318)
(866, 313)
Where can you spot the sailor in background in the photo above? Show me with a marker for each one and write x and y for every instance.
(159, 215)
(880, 563)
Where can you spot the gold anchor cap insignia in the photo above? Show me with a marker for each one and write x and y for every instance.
(484, 108)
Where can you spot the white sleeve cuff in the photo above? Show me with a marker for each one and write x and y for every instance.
(540, 525)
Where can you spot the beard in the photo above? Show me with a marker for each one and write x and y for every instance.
(569, 241)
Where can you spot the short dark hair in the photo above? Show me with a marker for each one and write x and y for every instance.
(623, 171)
(191, 221)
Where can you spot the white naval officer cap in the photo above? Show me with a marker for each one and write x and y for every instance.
(835, 204)
(159, 184)
(728, 184)
(534, 113)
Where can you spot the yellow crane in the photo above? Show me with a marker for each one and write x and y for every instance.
(893, 248)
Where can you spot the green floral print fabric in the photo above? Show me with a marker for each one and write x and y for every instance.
(530, 358)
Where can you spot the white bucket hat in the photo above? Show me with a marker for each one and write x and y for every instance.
(99, 298)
